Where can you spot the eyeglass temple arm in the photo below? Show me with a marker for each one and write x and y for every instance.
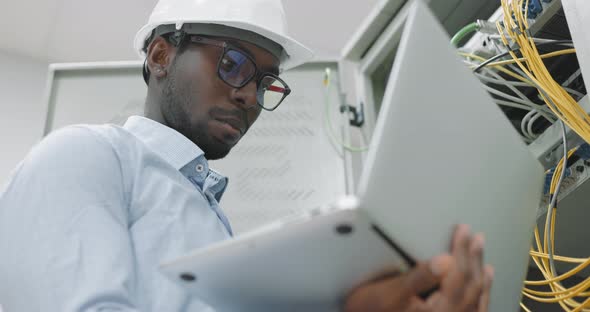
(203, 40)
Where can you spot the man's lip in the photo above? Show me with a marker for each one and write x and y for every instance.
(234, 122)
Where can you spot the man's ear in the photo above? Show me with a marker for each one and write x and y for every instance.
(159, 57)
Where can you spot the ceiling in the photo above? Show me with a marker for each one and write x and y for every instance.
(83, 31)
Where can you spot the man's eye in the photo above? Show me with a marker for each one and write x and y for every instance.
(228, 64)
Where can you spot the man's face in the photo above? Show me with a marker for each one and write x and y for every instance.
(201, 106)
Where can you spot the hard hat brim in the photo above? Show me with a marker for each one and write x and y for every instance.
(296, 53)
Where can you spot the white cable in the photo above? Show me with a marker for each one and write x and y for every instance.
(514, 99)
(544, 111)
(509, 83)
(513, 105)
(499, 79)
(580, 95)
(502, 82)
(510, 97)
(528, 122)
(550, 250)
(531, 122)
(524, 122)
(512, 88)
(574, 76)
(516, 69)
(502, 49)
(536, 40)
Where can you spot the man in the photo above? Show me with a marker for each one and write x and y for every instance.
(92, 210)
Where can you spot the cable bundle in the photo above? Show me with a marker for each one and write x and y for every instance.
(516, 28)
(543, 256)
(529, 70)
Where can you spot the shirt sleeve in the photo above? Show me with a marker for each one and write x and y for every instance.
(64, 225)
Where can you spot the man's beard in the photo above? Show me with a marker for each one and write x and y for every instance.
(175, 106)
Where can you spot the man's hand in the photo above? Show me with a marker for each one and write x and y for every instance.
(463, 280)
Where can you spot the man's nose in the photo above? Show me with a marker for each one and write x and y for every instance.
(246, 95)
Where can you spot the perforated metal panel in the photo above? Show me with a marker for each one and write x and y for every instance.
(284, 165)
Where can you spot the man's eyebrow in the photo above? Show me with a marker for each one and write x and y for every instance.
(243, 48)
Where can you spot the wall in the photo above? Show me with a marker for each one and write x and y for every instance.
(325, 26)
(22, 84)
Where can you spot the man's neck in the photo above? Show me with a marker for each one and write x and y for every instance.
(152, 110)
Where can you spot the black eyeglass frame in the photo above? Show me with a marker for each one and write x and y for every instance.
(258, 75)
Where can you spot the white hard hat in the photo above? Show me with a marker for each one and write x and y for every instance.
(262, 17)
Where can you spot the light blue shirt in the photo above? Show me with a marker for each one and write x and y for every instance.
(90, 213)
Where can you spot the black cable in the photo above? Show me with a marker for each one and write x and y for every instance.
(491, 60)
(499, 56)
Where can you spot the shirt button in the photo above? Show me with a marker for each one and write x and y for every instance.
(199, 168)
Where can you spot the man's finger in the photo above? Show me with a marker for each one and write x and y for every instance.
(418, 305)
(384, 275)
(419, 279)
(484, 301)
(454, 285)
(385, 293)
(475, 279)
(442, 265)
(461, 242)
(476, 254)
(438, 302)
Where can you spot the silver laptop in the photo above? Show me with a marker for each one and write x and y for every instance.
(442, 153)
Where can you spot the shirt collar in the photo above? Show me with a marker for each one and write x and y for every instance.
(168, 143)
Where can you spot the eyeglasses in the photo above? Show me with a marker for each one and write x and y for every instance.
(237, 69)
